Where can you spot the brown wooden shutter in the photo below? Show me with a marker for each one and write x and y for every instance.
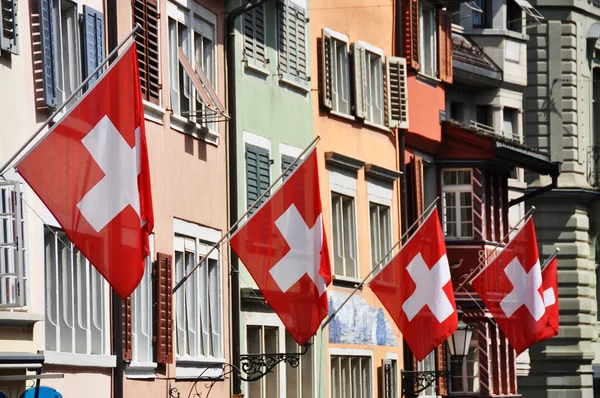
(441, 365)
(418, 192)
(163, 319)
(145, 13)
(127, 332)
(445, 45)
(410, 32)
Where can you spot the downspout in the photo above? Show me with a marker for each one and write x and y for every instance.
(117, 302)
(232, 165)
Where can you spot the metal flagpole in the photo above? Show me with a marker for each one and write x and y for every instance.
(359, 286)
(469, 279)
(66, 102)
(256, 202)
(552, 256)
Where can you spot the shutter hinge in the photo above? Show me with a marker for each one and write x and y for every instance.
(271, 161)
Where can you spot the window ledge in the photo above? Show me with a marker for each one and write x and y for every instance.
(428, 79)
(153, 112)
(256, 69)
(192, 368)
(193, 129)
(498, 32)
(87, 360)
(342, 114)
(141, 370)
(341, 160)
(377, 126)
(299, 86)
(19, 319)
(344, 281)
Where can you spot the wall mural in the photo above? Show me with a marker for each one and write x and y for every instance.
(358, 322)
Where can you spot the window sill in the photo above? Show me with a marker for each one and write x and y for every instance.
(153, 112)
(193, 368)
(141, 370)
(193, 129)
(19, 319)
(377, 126)
(87, 360)
(256, 69)
(344, 281)
(428, 79)
(343, 115)
(299, 86)
(498, 32)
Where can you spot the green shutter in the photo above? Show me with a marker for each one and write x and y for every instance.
(254, 37)
(292, 42)
(286, 161)
(258, 167)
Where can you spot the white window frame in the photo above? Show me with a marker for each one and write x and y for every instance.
(182, 12)
(431, 40)
(352, 353)
(142, 333)
(380, 194)
(373, 85)
(272, 320)
(72, 45)
(63, 356)
(464, 369)
(456, 190)
(342, 182)
(339, 42)
(202, 237)
(13, 265)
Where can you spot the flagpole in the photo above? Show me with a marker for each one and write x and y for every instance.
(66, 102)
(257, 201)
(469, 279)
(552, 256)
(359, 286)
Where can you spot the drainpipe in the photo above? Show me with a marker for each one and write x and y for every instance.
(117, 302)
(233, 183)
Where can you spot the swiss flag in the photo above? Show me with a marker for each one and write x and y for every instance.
(416, 289)
(284, 248)
(523, 301)
(91, 171)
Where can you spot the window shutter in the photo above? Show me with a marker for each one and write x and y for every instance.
(127, 330)
(254, 36)
(48, 54)
(441, 366)
(358, 58)
(287, 161)
(145, 13)
(93, 44)
(282, 37)
(445, 46)
(9, 26)
(397, 92)
(326, 71)
(292, 42)
(258, 167)
(163, 319)
(299, 16)
(410, 36)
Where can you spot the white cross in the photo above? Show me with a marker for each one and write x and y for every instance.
(304, 256)
(525, 290)
(429, 288)
(120, 164)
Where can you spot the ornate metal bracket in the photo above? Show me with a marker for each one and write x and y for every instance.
(414, 382)
(257, 366)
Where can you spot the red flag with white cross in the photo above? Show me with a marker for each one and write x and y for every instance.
(283, 246)
(91, 171)
(522, 299)
(416, 289)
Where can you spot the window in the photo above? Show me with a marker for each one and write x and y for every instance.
(66, 44)
(457, 111)
(428, 39)
(510, 129)
(482, 115)
(258, 170)
(198, 301)
(260, 340)
(344, 235)
(141, 321)
(428, 365)
(9, 26)
(254, 37)
(336, 72)
(482, 20)
(465, 374)
(514, 17)
(292, 42)
(194, 32)
(351, 376)
(381, 235)
(76, 299)
(145, 13)
(457, 203)
(374, 86)
(13, 276)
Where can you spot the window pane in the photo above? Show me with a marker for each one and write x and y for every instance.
(292, 387)
(349, 237)
(464, 177)
(355, 371)
(338, 237)
(335, 378)
(466, 214)
(375, 238)
(366, 377)
(306, 364)
(253, 342)
(271, 346)
(346, 378)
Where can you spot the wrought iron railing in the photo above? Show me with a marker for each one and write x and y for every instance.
(415, 382)
(593, 163)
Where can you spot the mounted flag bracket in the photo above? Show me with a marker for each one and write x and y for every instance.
(257, 366)
(415, 382)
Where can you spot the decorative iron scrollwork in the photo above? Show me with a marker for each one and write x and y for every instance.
(415, 382)
(256, 366)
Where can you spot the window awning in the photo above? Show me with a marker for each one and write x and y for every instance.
(21, 360)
